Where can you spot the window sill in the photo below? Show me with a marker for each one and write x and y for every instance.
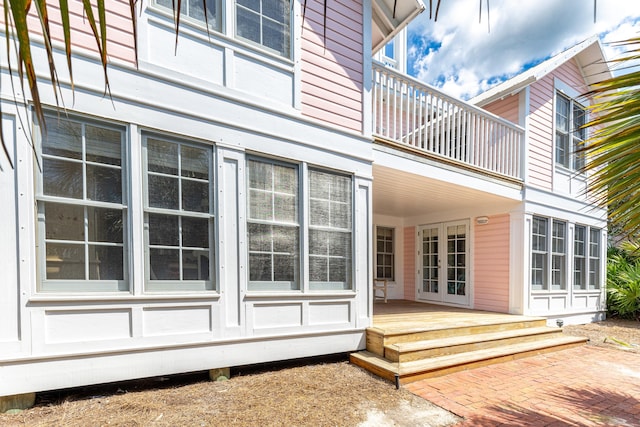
(122, 297)
(270, 295)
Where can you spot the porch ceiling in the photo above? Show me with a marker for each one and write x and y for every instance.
(403, 194)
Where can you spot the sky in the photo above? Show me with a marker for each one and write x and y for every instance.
(466, 52)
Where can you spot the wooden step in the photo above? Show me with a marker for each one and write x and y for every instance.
(378, 338)
(442, 365)
(415, 350)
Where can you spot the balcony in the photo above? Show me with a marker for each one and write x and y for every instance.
(412, 115)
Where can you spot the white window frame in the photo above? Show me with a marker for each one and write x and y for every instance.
(574, 136)
(179, 284)
(593, 275)
(542, 252)
(558, 255)
(580, 248)
(226, 23)
(85, 285)
(385, 253)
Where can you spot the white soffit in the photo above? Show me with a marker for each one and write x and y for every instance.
(391, 16)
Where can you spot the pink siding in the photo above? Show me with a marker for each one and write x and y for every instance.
(409, 263)
(332, 79)
(507, 108)
(119, 28)
(541, 136)
(491, 265)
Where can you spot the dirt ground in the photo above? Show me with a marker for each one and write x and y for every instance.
(320, 392)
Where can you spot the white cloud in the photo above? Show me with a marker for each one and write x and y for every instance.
(462, 57)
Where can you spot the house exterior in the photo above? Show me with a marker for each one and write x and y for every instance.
(234, 198)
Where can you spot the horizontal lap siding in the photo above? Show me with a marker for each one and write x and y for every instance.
(409, 263)
(332, 78)
(120, 44)
(491, 265)
(506, 108)
(541, 122)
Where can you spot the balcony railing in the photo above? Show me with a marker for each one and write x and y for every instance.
(411, 113)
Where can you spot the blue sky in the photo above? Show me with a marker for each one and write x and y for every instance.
(464, 57)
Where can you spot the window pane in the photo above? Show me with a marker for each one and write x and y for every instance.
(63, 138)
(103, 145)
(259, 237)
(260, 267)
(285, 179)
(275, 9)
(195, 265)
(285, 208)
(64, 222)
(319, 212)
(62, 178)
(318, 269)
(163, 230)
(163, 192)
(274, 36)
(195, 162)
(248, 24)
(164, 264)
(106, 263)
(65, 261)
(195, 232)
(162, 156)
(250, 4)
(195, 196)
(104, 184)
(260, 175)
(105, 225)
(285, 267)
(260, 205)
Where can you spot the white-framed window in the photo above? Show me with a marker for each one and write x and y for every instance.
(330, 235)
(579, 257)
(179, 215)
(264, 23)
(273, 225)
(558, 255)
(586, 257)
(539, 253)
(594, 258)
(82, 207)
(570, 117)
(194, 10)
(385, 253)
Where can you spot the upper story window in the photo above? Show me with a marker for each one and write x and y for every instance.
(266, 23)
(570, 117)
(82, 207)
(195, 10)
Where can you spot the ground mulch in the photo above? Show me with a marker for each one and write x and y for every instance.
(621, 334)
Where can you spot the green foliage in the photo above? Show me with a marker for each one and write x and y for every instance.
(623, 281)
(613, 152)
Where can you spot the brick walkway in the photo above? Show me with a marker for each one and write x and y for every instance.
(583, 386)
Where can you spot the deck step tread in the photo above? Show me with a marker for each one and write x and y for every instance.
(441, 362)
(412, 346)
(390, 330)
(387, 369)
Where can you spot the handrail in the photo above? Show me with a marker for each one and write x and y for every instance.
(418, 115)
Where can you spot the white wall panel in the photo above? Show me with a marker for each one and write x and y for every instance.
(176, 320)
(329, 313)
(86, 325)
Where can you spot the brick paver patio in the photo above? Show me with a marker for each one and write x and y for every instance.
(584, 386)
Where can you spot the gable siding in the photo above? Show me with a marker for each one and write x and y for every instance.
(332, 78)
(491, 265)
(541, 119)
(507, 108)
(119, 28)
(410, 263)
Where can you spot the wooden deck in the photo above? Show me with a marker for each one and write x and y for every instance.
(411, 340)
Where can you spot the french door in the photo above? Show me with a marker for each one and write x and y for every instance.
(443, 256)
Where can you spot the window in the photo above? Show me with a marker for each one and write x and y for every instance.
(570, 117)
(194, 10)
(579, 265)
(384, 253)
(594, 258)
(266, 23)
(273, 226)
(558, 255)
(82, 207)
(329, 231)
(178, 215)
(539, 254)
